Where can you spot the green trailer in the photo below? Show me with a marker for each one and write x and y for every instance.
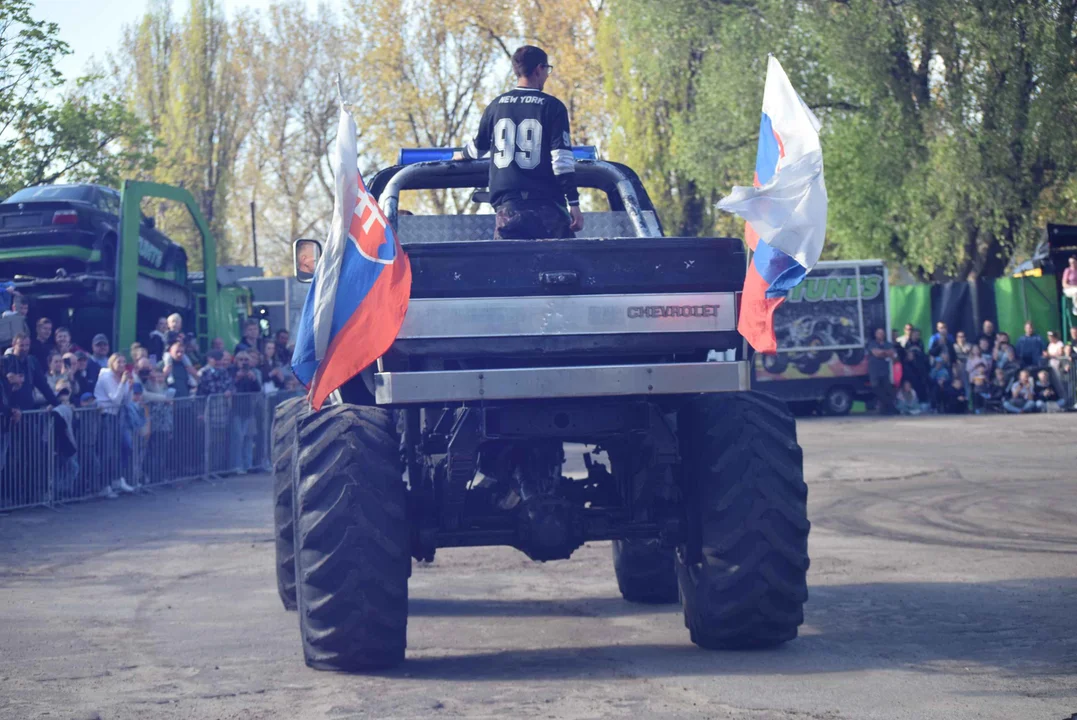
(87, 258)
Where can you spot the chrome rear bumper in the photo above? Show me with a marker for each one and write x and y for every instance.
(401, 388)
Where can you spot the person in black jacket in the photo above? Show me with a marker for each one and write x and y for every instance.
(532, 168)
(42, 345)
(23, 374)
(9, 420)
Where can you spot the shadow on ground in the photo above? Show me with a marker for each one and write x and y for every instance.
(1021, 627)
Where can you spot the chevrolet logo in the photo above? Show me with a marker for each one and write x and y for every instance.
(674, 311)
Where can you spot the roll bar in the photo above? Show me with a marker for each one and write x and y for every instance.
(420, 175)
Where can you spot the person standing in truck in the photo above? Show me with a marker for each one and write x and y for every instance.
(532, 169)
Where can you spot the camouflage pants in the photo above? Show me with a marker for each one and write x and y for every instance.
(531, 220)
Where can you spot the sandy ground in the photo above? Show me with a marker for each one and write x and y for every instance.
(943, 585)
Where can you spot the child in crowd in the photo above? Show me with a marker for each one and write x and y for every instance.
(994, 393)
(907, 402)
(977, 366)
(940, 378)
(67, 464)
(1046, 397)
(955, 399)
(1022, 395)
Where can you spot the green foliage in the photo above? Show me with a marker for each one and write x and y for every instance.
(189, 80)
(946, 125)
(88, 134)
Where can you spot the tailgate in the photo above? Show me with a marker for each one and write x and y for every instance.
(521, 268)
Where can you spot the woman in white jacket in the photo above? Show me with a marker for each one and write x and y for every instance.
(112, 392)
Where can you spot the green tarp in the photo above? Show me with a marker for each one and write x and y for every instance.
(911, 304)
(1021, 299)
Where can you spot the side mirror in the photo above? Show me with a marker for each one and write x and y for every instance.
(149, 222)
(305, 256)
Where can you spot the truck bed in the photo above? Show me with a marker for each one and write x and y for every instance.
(594, 300)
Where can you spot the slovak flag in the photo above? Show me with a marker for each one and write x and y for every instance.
(359, 296)
(785, 210)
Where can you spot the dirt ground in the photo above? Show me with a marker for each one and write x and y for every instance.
(943, 585)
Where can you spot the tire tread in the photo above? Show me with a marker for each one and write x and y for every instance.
(745, 468)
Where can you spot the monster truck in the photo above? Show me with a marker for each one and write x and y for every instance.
(514, 353)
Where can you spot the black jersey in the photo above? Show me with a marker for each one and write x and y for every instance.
(526, 133)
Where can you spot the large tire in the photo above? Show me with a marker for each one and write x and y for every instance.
(646, 571)
(838, 401)
(352, 540)
(743, 571)
(284, 421)
(776, 363)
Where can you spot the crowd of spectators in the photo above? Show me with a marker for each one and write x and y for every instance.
(951, 373)
(133, 402)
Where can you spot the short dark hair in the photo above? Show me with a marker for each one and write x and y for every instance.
(215, 355)
(41, 321)
(18, 299)
(527, 58)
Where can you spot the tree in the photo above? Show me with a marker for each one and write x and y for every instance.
(429, 70)
(685, 79)
(284, 167)
(87, 134)
(965, 132)
(190, 81)
(946, 125)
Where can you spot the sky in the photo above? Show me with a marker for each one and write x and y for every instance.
(93, 28)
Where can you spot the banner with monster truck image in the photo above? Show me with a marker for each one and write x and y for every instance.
(824, 324)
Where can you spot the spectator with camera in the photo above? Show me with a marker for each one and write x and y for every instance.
(248, 386)
(59, 372)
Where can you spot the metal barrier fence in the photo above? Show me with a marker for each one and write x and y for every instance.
(53, 456)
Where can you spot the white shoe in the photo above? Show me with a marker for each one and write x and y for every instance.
(122, 486)
(109, 493)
